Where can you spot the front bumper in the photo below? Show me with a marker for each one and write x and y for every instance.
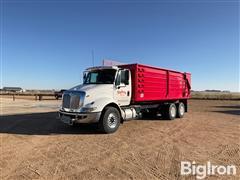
(75, 117)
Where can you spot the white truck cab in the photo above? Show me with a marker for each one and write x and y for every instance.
(101, 99)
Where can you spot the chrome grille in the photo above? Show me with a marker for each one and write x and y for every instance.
(73, 100)
(66, 101)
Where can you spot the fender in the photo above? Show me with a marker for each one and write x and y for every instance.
(101, 103)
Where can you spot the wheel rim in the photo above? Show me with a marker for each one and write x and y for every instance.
(112, 120)
(173, 111)
(181, 109)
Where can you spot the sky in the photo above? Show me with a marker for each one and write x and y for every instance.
(48, 44)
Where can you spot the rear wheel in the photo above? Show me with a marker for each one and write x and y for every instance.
(110, 120)
(171, 111)
(181, 110)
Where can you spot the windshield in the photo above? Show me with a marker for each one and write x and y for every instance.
(101, 76)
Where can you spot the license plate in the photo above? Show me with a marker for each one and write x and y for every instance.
(66, 119)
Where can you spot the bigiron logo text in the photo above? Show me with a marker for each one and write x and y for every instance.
(202, 171)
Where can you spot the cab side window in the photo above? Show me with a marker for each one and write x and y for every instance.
(125, 77)
(122, 78)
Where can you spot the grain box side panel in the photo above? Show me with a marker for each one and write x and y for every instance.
(188, 85)
(152, 83)
(179, 85)
(156, 84)
(176, 85)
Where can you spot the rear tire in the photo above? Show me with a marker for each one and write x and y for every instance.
(110, 120)
(170, 111)
(181, 110)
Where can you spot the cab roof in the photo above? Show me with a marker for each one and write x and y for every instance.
(101, 67)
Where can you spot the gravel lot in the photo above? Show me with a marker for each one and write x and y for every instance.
(36, 145)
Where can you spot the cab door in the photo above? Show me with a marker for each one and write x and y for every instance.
(123, 88)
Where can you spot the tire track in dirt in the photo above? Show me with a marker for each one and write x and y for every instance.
(152, 169)
(227, 154)
(139, 150)
(174, 170)
(19, 164)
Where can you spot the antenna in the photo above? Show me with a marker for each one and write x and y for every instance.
(92, 58)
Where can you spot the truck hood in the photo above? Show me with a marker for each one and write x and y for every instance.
(98, 89)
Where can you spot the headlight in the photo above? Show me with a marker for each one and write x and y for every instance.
(88, 109)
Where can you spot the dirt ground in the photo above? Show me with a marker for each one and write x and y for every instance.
(36, 145)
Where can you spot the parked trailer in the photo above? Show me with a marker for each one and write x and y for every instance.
(110, 95)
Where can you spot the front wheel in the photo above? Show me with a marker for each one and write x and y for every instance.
(110, 120)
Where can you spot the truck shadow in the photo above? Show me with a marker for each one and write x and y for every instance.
(41, 124)
(151, 118)
(232, 110)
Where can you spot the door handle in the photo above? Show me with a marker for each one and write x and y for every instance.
(128, 93)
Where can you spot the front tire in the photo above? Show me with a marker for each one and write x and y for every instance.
(110, 120)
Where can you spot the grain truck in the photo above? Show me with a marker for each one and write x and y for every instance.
(111, 95)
